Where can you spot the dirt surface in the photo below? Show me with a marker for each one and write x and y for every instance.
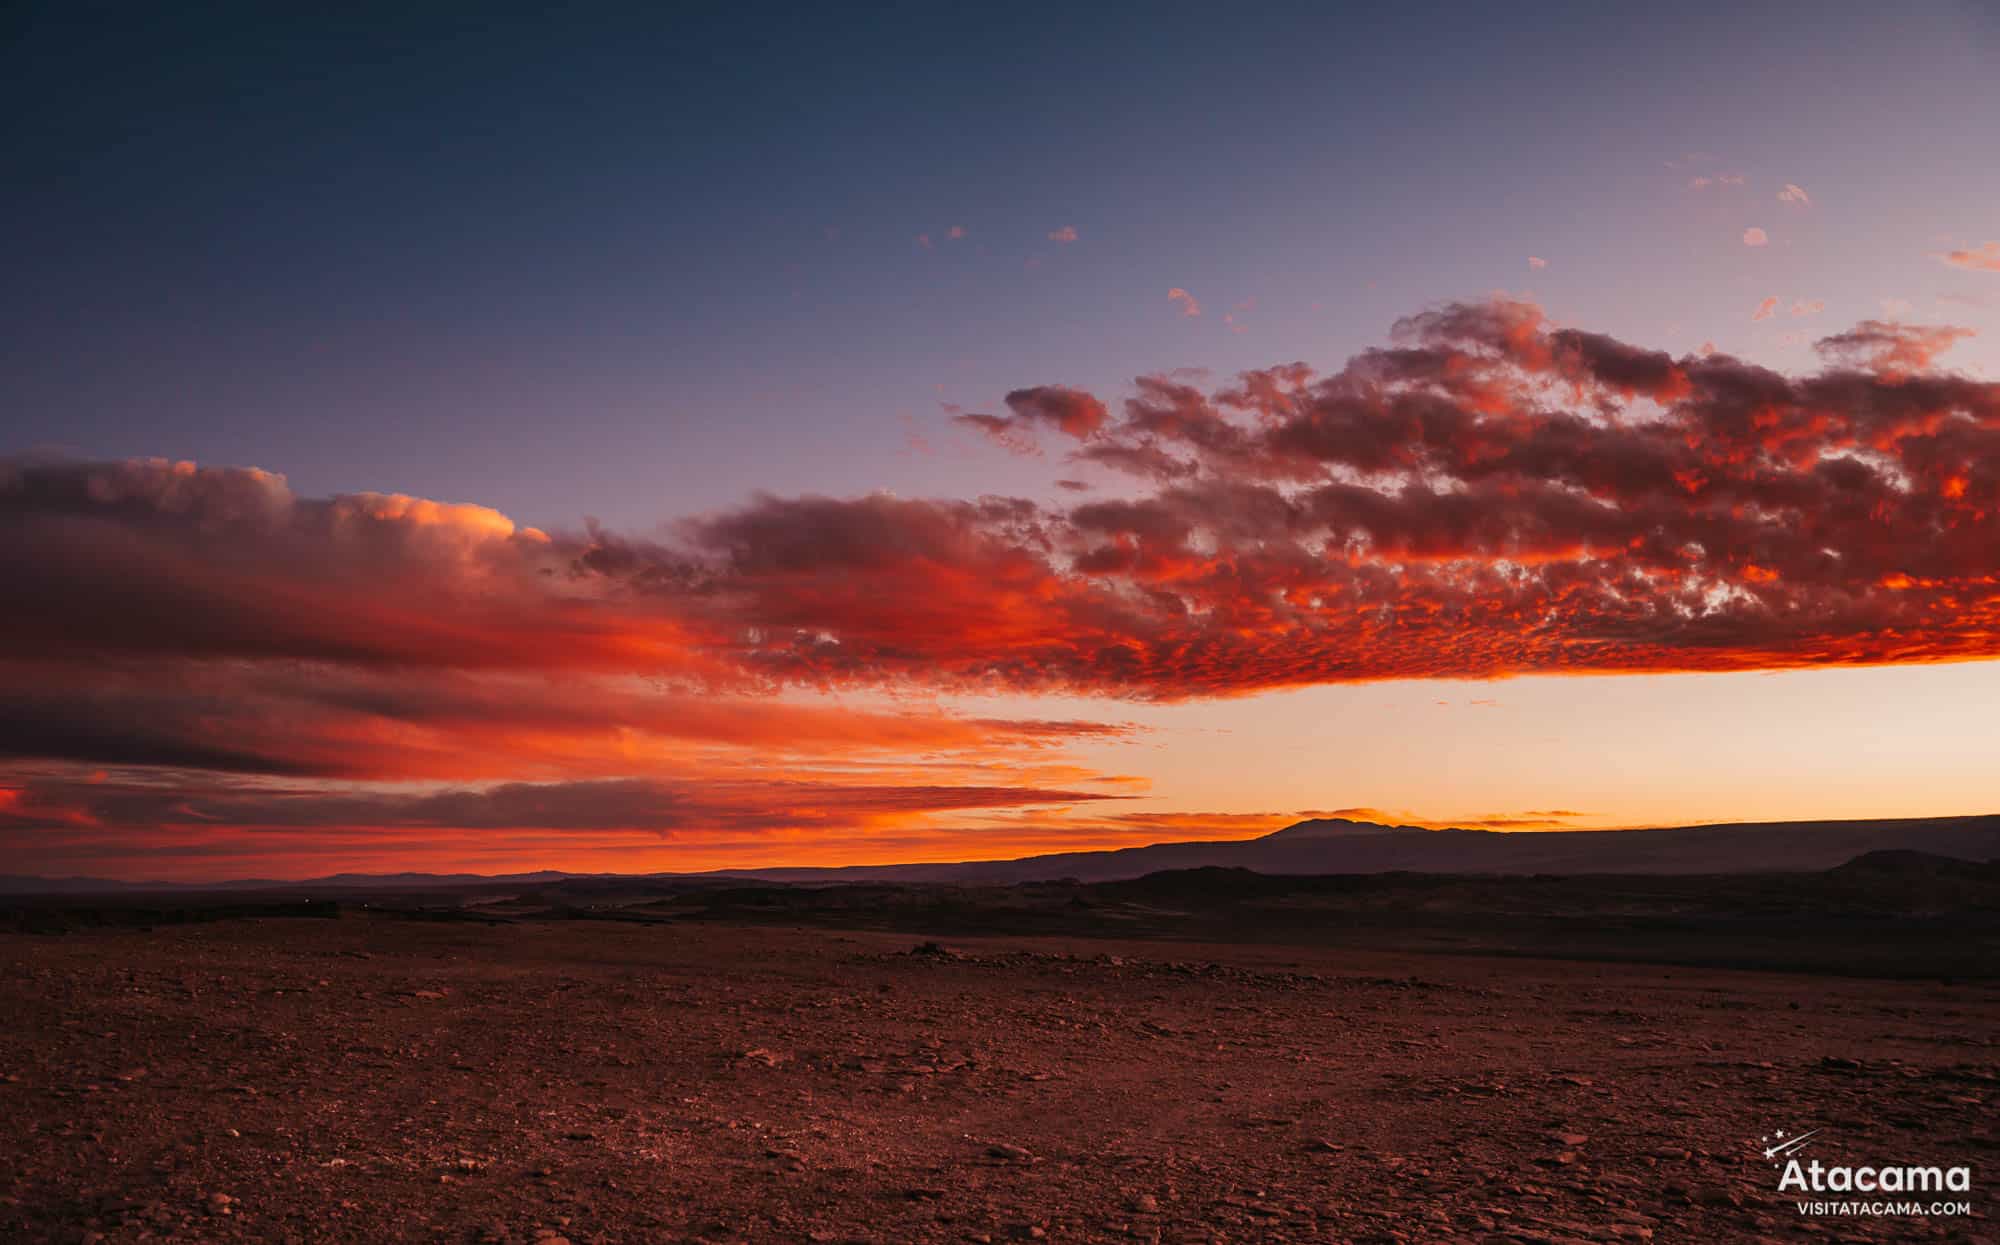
(372, 1079)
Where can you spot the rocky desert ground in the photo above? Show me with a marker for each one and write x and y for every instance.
(378, 1078)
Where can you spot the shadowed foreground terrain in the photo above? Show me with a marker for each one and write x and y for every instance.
(379, 1078)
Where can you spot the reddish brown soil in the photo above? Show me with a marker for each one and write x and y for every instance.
(378, 1080)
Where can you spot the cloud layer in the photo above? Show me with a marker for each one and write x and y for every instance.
(1491, 495)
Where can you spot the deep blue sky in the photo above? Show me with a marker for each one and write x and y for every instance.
(640, 263)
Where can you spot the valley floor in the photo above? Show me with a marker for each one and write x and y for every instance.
(373, 1079)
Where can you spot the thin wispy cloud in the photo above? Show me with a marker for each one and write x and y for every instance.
(1982, 258)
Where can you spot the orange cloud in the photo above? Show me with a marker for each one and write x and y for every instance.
(1067, 233)
(1891, 348)
(1754, 236)
(181, 824)
(1188, 305)
(1985, 258)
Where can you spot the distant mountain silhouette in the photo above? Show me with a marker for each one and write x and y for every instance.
(1903, 862)
(1320, 846)
(1339, 846)
(1337, 827)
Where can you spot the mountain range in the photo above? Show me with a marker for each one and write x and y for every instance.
(1318, 846)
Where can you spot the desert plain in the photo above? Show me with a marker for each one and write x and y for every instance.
(384, 1076)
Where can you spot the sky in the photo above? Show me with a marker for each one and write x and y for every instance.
(675, 437)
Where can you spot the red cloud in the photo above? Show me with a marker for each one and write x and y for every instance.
(1070, 411)
(1491, 495)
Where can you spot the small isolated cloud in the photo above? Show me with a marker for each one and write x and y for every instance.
(1536, 261)
(1892, 349)
(955, 232)
(1984, 258)
(1765, 310)
(1807, 307)
(924, 241)
(1721, 179)
(1794, 194)
(1072, 412)
(1066, 234)
(1754, 236)
(1188, 305)
(1894, 307)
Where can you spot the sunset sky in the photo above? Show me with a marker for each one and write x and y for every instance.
(685, 438)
